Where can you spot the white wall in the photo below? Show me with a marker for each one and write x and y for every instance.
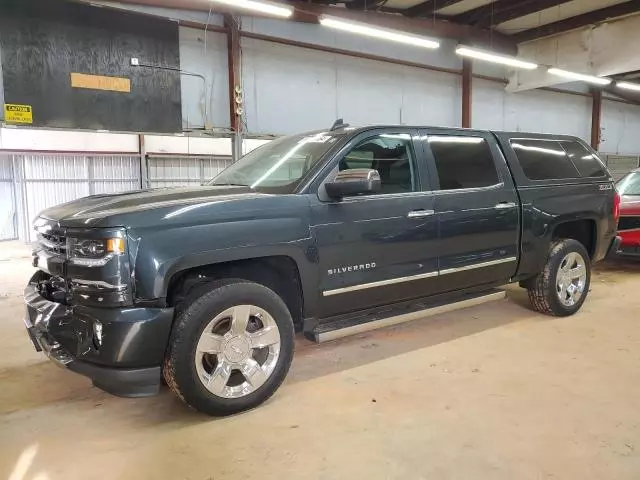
(318, 35)
(620, 128)
(536, 111)
(289, 89)
(206, 56)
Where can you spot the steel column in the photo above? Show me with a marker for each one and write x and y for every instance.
(467, 86)
(596, 116)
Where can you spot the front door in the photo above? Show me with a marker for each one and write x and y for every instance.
(381, 248)
(477, 208)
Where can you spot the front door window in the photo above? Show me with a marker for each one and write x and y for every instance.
(392, 156)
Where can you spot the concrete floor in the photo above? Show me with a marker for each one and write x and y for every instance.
(491, 392)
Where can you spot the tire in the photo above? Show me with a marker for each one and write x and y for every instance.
(194, 376)
(545, 292)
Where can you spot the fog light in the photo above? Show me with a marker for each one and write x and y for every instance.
(97, 333)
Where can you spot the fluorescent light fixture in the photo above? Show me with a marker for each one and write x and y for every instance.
(628, 86)
(579, 76)
(494, 58)
(276, 9)
(375, 32)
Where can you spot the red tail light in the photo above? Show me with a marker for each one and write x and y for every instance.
(616, 206)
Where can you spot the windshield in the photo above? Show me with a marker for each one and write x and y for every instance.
(280, 165)
(629, 185)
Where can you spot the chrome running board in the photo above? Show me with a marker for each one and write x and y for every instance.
(344, 327)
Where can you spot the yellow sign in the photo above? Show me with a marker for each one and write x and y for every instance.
(99, 82)
(18, 113)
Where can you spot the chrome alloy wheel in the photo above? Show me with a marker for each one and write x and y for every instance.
(571, 279)
(237, 351)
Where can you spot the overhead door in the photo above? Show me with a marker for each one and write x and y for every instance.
(620, 165)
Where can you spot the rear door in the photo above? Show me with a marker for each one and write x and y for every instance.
(477, 208)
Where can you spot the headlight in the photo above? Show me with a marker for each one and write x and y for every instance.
(93, 253)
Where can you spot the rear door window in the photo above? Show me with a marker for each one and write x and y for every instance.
(463, 161)
(586, 162)
(543, 159)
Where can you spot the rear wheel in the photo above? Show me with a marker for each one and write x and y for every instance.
(230, 348)
(562, 286)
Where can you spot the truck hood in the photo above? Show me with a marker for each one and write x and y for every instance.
(97, 210)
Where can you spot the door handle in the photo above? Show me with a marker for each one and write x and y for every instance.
(420, 213)
(505, 205)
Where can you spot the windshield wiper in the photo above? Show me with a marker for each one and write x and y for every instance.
(225, 184)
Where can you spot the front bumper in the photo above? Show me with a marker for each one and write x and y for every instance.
(126, 360)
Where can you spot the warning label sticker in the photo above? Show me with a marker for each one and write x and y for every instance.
(18, 113)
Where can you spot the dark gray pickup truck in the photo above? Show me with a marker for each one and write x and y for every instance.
(315, 232)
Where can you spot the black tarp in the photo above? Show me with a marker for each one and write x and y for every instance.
(44, 41)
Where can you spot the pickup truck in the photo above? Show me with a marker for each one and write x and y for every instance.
(205, 286)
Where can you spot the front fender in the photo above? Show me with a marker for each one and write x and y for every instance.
(160, 255)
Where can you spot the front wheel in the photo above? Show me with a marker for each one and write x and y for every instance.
(562, 286)
(230, 348)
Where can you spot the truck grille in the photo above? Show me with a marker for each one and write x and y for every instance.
(628, 223)
(53, 242)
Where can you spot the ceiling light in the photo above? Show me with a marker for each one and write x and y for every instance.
(492, 57)
(262, 7)
(628, 86)
(381, 33)
(579, 76)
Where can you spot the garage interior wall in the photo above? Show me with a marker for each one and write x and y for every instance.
(205, 103)
(290, 88)
(620, 128)
(318, 87)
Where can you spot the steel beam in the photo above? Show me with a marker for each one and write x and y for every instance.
(420, 26)
(233, 62)
(590, 18)
(503, 11)
(428, 8)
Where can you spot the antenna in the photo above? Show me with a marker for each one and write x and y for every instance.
(338, 124)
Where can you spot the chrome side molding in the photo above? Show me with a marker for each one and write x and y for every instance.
(381, 283)
(473, 266)
(392, 281)
(420, 213)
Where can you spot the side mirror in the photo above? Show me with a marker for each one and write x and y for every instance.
(353, 182)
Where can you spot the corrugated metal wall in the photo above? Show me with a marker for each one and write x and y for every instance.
(8, 214)
(31, 182)
(171, 171)
(620, 165)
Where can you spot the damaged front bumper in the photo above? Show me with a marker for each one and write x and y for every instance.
(120, 349)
